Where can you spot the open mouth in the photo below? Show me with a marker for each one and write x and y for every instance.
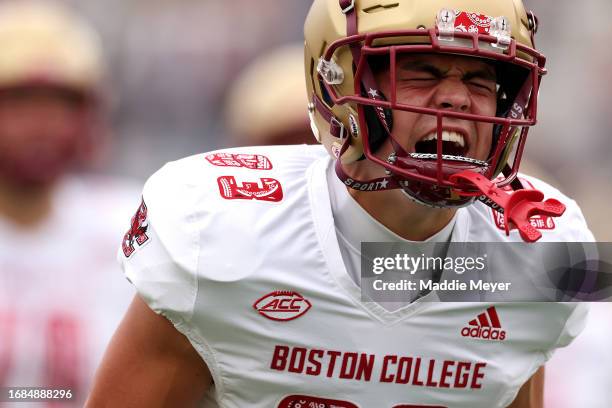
(453, 144)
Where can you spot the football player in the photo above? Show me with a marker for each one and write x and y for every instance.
(59, 300)
(246, 260)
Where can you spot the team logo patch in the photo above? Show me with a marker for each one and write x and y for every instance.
(306, 401)
(485, 326)
(269, 189)
(282, 305)
(250, 161)
(541, 222)
(137, 234)
(472, 22)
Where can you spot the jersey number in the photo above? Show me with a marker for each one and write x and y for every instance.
(269, 190)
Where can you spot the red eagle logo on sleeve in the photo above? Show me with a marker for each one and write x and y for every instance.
(137, 232)
(269, 190)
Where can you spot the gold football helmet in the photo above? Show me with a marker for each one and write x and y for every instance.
(43, 44)
(346, 42)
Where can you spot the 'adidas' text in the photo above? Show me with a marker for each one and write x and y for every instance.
(486, 326)
(484, 333)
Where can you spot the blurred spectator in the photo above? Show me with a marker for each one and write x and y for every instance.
(61, 292)
(267, 102)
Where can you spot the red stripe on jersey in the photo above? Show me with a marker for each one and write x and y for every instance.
(482, 319)
(494, 318)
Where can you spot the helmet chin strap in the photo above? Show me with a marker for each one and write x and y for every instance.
(377, 184)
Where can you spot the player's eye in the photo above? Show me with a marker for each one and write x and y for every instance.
(418, 79)
(483, 85)
(417, 74)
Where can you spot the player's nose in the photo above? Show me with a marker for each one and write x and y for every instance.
(452, 94)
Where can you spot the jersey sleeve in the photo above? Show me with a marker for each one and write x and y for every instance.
(578, 222)
(572, 227)
(159, 251)
(574, 325)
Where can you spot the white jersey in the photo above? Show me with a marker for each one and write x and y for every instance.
(61, 296)
(238, 249)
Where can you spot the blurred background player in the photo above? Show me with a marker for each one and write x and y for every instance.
(59, 294)
(252, 114)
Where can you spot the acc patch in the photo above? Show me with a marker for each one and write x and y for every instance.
(269, 190)
(137, 234)
(282, 305)
(250, 161)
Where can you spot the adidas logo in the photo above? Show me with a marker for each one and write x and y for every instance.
(486, 326)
